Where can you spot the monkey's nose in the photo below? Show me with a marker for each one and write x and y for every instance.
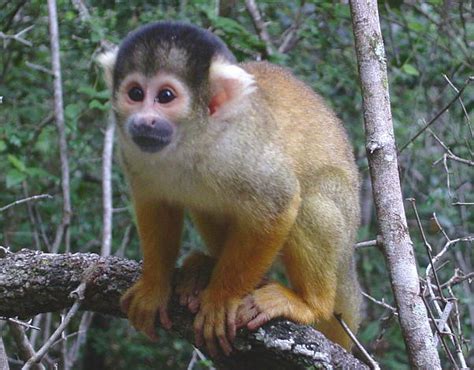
(147, 121)
(151, 134)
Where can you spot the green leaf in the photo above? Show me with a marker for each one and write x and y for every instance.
(87, 90)
(14, 177)
(44, 142)
(415, 26)
(17, 163)
(409, 69)
(3, 146)
(72, 111)
(98, 105)
(37, 172)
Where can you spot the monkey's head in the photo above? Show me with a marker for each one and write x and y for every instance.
(167, 75)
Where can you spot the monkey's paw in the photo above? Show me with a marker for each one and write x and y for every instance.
(142, 302)
(215, 322)
(193, 277)
(269, 302)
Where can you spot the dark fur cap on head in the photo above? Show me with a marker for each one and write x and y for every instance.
(176, 47)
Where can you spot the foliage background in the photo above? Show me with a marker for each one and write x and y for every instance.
(424, 41)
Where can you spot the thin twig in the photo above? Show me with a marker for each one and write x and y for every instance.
(21, 323)
(442, 321)
(79, 294)
(18, 36)
(457, 279)
(381, 303)
(370, 243)
(457, 343)
(429, 251)
(433, 120)
(202, 357)
(440, 334)
(290, 35)
(107, 187)
(120, 252)
(469, 238)
(86, 320)
(24, 200)
(449, 154)
(62, 232)
(260, 26)
(39, 68)
(373, 364)
(25, 349)
(468, 119)
(366, 244)
(193, 360)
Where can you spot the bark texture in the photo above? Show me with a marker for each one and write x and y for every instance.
(383, 164)
(33, 282)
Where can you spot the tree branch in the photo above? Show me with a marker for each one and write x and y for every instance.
(33, 282)
(386, 187)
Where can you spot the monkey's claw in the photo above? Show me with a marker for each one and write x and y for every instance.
(215, 323)
(269, 302)
(142, 303)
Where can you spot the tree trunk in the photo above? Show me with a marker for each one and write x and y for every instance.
(382, 155)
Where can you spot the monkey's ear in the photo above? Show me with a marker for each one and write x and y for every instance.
(107, 61)
(229, 84)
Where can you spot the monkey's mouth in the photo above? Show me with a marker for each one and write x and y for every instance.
(151, 137)
(151, 143)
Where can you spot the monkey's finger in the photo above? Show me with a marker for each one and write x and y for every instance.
(220, 330)
(209, 338)
(245, 317)
(231, 316)
(148, 325)
(198, 325)
(258, 321)
(225, 344)
(164, 317)
(133, 312)
(246, 312)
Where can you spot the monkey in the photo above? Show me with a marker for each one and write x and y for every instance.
(263, 167)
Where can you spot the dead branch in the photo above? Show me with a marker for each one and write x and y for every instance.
(32, 282)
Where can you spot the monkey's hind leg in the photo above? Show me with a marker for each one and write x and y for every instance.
(316, 247)
(197, 267)
(193, 277)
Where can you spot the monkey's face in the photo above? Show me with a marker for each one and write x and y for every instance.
(169, 81)
(149, 109)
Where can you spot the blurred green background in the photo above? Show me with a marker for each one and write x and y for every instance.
(424, 41)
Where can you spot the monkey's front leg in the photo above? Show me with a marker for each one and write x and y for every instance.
(247, 255)
(159, 227)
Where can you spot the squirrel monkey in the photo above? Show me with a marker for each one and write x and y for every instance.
(265, 170)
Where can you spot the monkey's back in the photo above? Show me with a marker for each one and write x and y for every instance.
(308, 129)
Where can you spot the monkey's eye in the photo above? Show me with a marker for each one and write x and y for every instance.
(165, 96)
(136, 94)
